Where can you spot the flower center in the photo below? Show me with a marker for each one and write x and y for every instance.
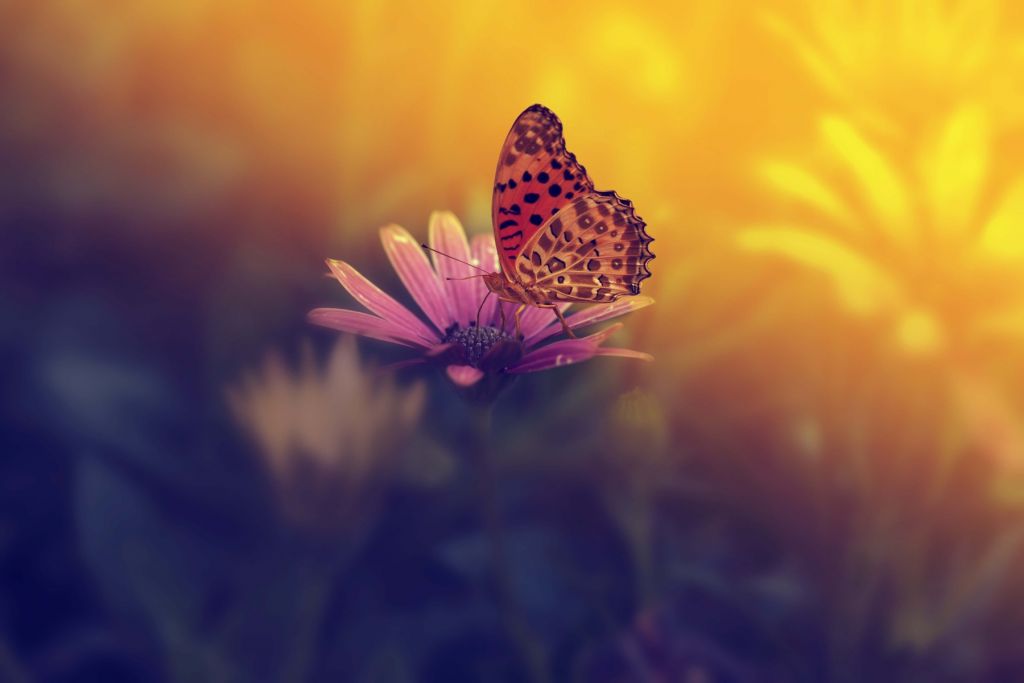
(474, 342)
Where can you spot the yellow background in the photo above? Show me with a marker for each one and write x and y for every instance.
(833, 187)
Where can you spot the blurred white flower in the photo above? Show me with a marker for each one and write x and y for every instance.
(326, 434)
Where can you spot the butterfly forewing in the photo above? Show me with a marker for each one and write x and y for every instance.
(536, 178)
(594, 249)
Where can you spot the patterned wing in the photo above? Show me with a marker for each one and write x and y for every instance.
(535, 178)
(595, 249)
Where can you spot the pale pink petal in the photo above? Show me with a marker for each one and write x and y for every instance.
(464, 295)
(592, 315)
(414, 270)
(363, 324)
(564, 352)
(624, 353)
(598, 337)
(464, 375)
(534, 319)
(438, 349)
(486, 256)
(554, 355)
(371, 296)
(486, 253)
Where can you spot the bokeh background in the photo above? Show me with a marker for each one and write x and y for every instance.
(819, 478)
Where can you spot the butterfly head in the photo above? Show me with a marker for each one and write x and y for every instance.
(495, 282)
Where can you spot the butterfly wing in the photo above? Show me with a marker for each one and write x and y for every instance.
(593, 250)
(536, 177)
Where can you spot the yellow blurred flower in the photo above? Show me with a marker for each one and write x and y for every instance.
(325, 435)
(894, 63)
(910, 200)
(928, 240)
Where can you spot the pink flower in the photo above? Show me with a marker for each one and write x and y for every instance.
(451, 336)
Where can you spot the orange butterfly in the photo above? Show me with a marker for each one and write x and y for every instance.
(558, 238)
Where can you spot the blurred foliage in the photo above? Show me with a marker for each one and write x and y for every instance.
(820, 478)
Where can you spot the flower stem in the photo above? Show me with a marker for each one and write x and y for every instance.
(312, 611)
(530, 648)
(638, 524)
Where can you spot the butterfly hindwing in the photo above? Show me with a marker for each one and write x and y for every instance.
(595, 249)
(536, 177)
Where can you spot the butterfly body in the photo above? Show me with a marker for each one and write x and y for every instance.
(560, 240)
(513, 291)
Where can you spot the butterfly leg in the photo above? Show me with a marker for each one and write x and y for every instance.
(519, 311)
(565, 326)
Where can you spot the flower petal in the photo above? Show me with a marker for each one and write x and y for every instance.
(863, 285)
(624, 353)
(486, 255)
(553, 355)
(448, 237)
(592, 315)
(805, 188)
(464, 375)
(564, 352)
(371, 296)
(880, 184)
(414, 270)
(438, 350)
(363, 324)
(954, 169)
(534, 319)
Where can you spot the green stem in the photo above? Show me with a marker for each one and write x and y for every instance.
(530, 648)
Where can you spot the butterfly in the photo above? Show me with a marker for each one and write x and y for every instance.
(558, 239)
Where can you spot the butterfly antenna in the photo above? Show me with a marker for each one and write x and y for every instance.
(441, 253)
